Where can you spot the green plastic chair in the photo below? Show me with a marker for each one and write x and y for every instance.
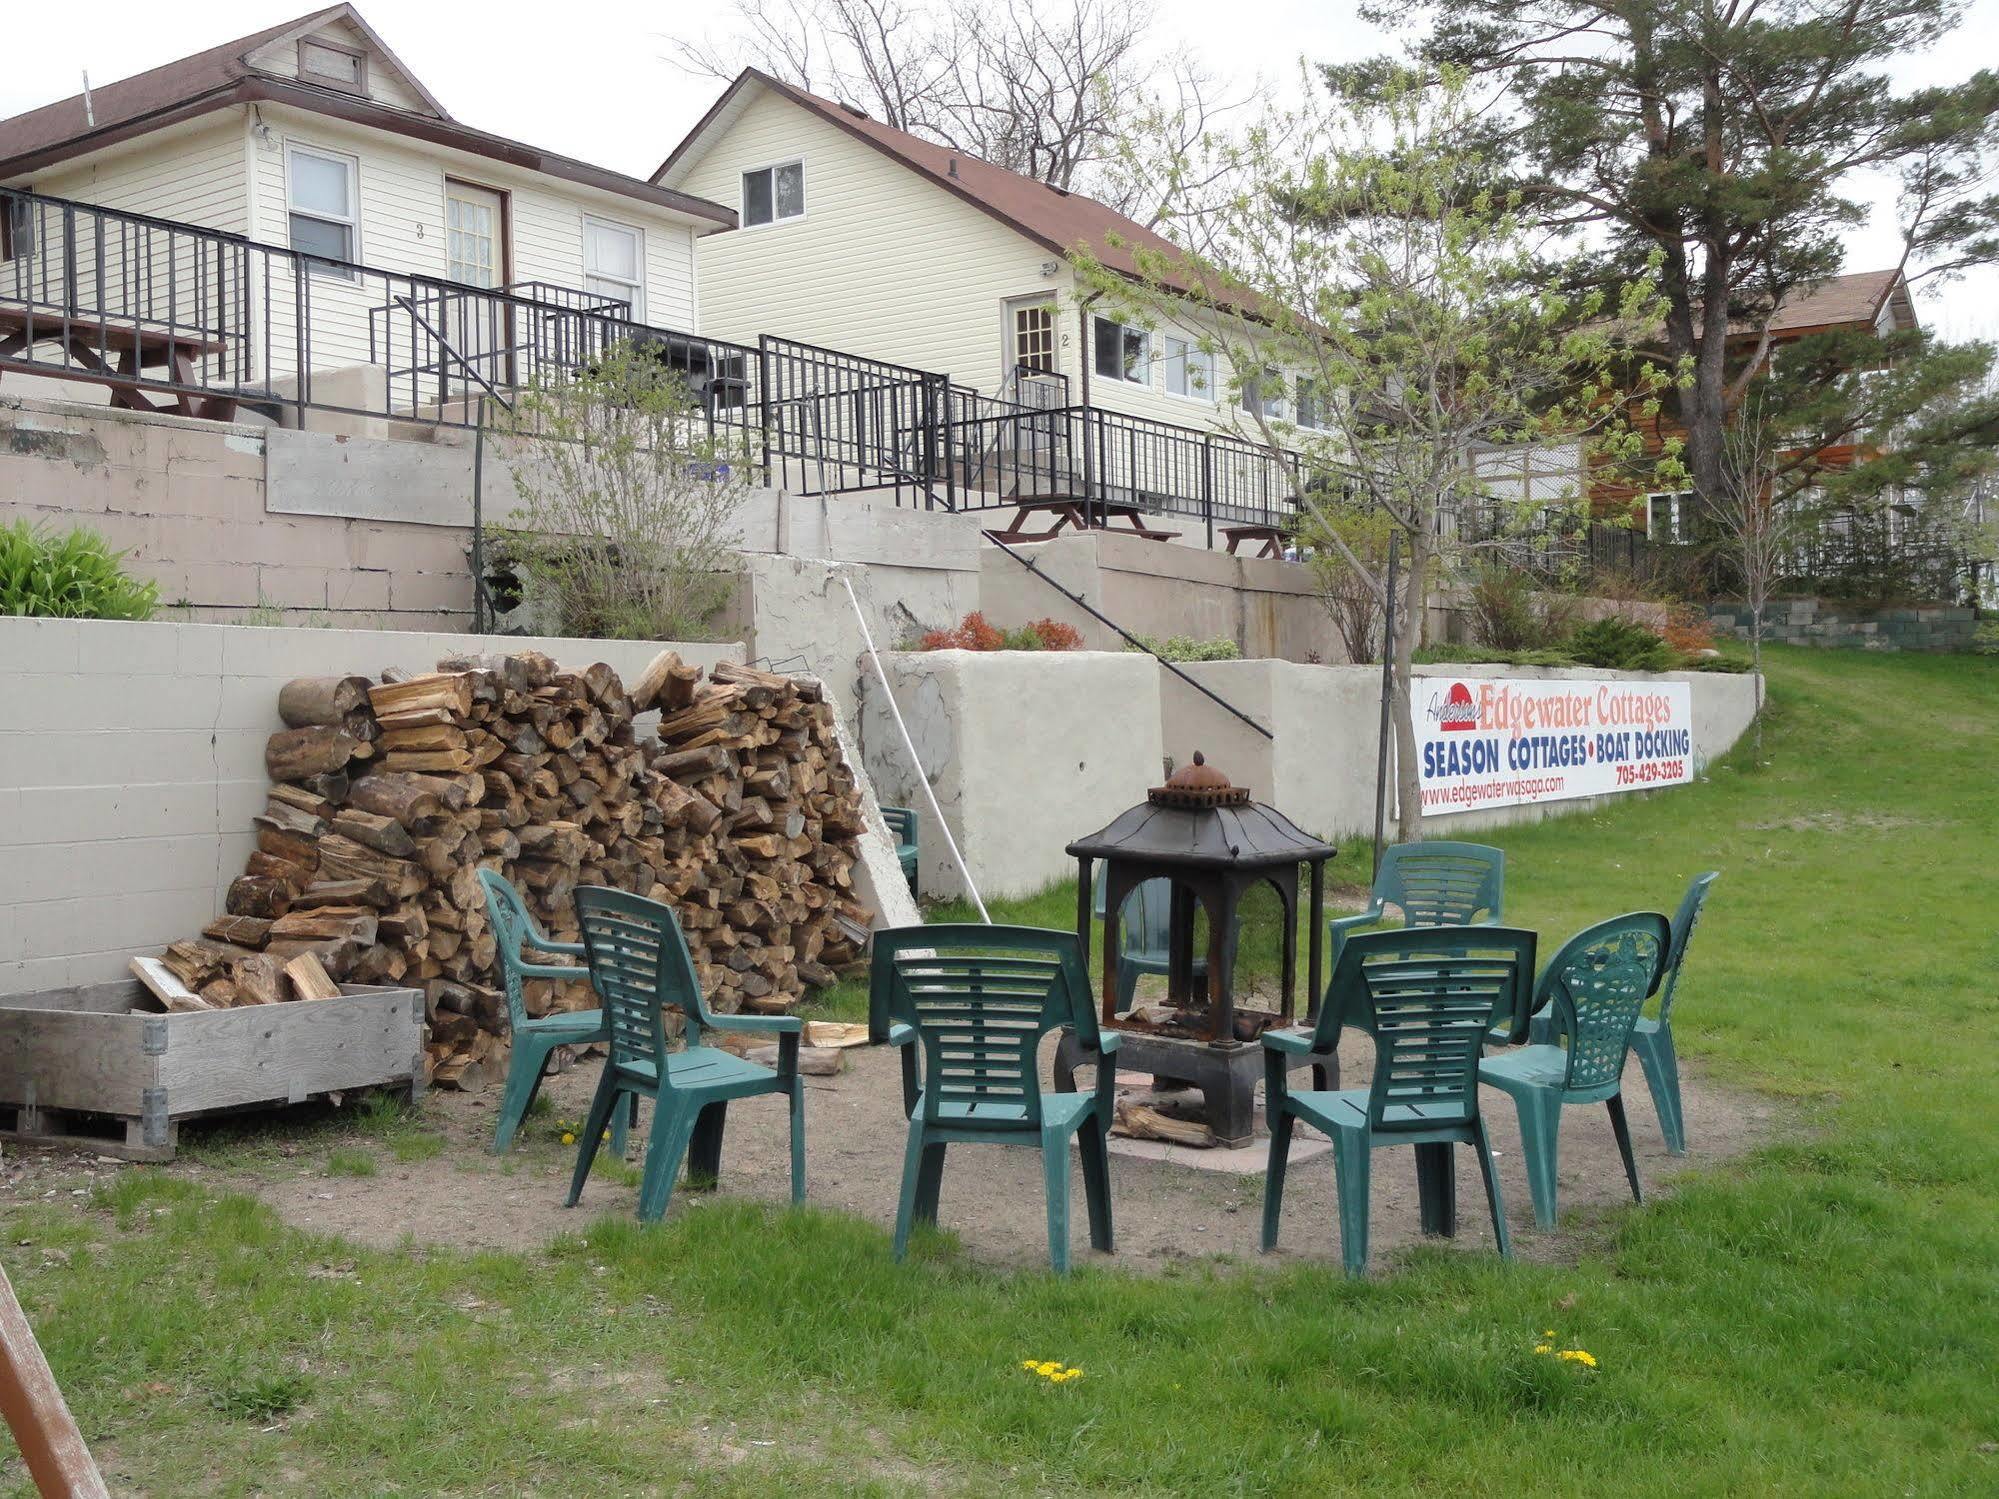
(979, 999)
(902, 827)
(1596, 985)
(1144, 928)
(514, 930)
(1652, 1039)
(1426, 995)
(639, 964)
(1432, 884)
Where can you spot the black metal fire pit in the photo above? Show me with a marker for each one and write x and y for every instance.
(1212, 844)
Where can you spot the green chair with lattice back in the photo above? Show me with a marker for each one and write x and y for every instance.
(1432, 884)
(1652, 1039)
(1427, 996)
(1144, 932)
(639, 964)
(902, 826)
(1595, 986)
(976, 1001)
(535, 1037)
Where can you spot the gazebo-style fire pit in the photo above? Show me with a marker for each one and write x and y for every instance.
(1212, 844)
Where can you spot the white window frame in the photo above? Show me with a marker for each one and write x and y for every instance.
(1682, 510)
(1188, 349)
(775, 219)
(1142, 374)
(1256, 395)
(352, 223)
(638, 313)
(1301, 387)
(17, 238)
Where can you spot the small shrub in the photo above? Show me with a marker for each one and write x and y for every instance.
(1688, 629)
(1985, 637)
(1472, 655)
(975, 633)
(1619, 645)
(1508, 611)
(1188, 648)
(76, 576)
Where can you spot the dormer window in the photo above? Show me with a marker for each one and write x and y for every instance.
(772, 194)
(333, 65)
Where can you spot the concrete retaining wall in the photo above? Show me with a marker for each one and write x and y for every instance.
(1815, 622)
(1025, 751)
(132, 760)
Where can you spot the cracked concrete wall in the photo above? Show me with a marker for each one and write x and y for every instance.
(1025, 751)
(1319, 769)
(132, 760)
(1266, 606)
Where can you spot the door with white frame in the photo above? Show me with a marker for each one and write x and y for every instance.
(481, 329)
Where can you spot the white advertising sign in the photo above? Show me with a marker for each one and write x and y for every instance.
(1487, 742)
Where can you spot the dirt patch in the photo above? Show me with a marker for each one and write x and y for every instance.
(1166, 1214)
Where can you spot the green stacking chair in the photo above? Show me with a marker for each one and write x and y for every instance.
(902, 827)
(977, 1000)
(1427, 995)
(1652, 1039)
(639, 964)
(1144, 930)
(1433, 884)
(533, 1039)
(1595, 986)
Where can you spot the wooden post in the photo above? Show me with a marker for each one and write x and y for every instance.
(36, 1413)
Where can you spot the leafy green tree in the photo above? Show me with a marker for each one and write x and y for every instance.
(1364, 264)
(1727, 142)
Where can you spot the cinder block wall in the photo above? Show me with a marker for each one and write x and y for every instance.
(132, 760)
(1934, 627)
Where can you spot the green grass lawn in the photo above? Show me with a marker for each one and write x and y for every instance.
(1821, 1317)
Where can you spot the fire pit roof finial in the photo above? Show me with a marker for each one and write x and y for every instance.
(1198, 785)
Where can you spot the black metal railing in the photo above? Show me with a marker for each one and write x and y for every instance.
(1103, 456)
(838, 423)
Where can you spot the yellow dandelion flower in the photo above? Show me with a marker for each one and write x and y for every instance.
(568, 1138)
(1578, 1356)
(1028, 1363)
(1544, 1348)
(1549, 1333)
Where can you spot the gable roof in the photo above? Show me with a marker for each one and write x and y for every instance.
(224, 75)
(1853, 299)
(1053, 218)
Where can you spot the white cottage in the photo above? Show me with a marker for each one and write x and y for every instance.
(293, 212)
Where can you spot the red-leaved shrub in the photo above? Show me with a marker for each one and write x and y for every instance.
(975, 633)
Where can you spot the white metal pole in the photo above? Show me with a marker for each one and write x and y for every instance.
(930, 794)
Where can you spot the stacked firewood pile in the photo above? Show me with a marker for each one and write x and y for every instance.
(387, 797)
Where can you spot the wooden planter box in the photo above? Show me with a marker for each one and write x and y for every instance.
(103, 1068)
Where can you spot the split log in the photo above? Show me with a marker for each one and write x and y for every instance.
(300, 754)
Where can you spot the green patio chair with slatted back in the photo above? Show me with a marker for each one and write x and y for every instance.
(977, 1000)
(1596, 986)
(1426, 995)
(535, 1037)
(1433, 884)
(1652, 1039)
(639, 964)
(902, 827)
(1144, 928)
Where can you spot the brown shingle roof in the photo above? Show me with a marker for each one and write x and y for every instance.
(1837, 301)
(222, 75)
(1061, 221)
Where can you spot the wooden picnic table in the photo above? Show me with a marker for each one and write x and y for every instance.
(132, 348)
(1269, 539)
(1074, 511)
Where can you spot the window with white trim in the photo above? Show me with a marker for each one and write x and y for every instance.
(774, 193)
(323, 206)
(1669, 517)
(1190, 369)
(1265, 393)
(1313, 410)
(17, 226)
(1120, 352)
(614, 263)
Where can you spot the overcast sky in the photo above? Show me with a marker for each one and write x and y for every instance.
(591, 78)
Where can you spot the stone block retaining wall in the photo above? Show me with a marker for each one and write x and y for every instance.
(1928, 627)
